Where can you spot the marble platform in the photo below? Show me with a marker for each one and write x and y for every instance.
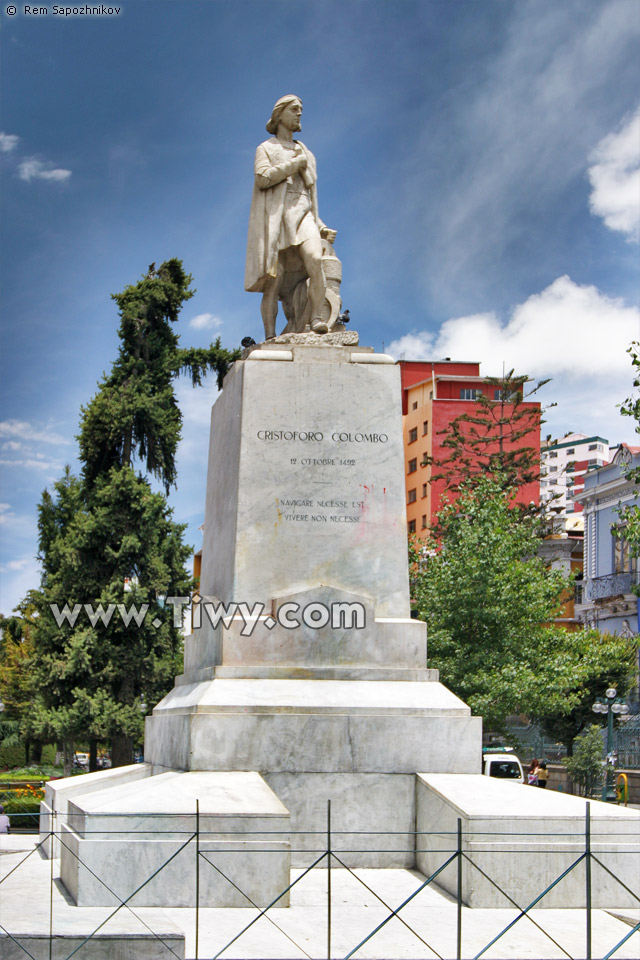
(136, 842)
(523, 838)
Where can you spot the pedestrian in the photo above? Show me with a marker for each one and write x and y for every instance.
(532, 774)
(5, 825)
(543, 776)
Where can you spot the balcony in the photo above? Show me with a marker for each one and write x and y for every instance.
(604, 588)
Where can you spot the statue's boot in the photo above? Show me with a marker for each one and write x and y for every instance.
(319, 326)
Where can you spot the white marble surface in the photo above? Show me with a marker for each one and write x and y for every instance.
(58, 793)
(314, 696)
(118, 839)
(523, 838)
(284, 512)
(356, 911)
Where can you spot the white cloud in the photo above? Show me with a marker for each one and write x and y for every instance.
(574, 334)
(567, 329)
(12, 445)
(5, 512)
(33, 169)
(14, 565)
(205, 321)
(615, 179)
(8, 142)
(32, 464)
(24, 430)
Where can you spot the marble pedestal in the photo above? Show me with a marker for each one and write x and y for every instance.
(305, 512)
(137, 843)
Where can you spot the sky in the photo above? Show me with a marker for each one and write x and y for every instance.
(479, 160)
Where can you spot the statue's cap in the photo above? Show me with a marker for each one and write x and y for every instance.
(278, 107)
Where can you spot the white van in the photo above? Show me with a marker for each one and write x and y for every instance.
(503, 764)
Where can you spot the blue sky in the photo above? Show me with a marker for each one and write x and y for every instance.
(478, 160)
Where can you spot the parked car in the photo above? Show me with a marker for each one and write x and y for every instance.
(502, 763)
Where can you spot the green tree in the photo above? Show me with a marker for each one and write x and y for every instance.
(488, 601)
(109, 549)
(491, 440)
(17, 687)
(585, 766)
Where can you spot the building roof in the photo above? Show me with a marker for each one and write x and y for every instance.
(575, 442)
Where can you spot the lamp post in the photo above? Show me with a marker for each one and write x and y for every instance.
(610, 704)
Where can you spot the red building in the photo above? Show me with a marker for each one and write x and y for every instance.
(433, 394)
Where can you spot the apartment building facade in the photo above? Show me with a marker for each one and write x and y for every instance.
(434, 393)
(605, 598)
(565, 464)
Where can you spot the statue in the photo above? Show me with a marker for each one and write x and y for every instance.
(290, 255)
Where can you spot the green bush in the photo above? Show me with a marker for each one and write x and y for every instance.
(22, 807)
(12, 756)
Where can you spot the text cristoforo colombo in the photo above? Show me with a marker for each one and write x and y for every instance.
(337, 436)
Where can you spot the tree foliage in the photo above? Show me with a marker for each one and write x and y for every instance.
(108, 542)
(17, 686)
(585, 766)
(488, 601)
(491, 440)
(629, 528)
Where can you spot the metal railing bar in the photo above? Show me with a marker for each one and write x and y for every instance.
(279, 897)
(124, 903)
(408, 900)
(615, 877)
(254, 904)
(385, 904)
(17, 942)
(624, 940)
(517, 905)
(24, 859)
(532, 904)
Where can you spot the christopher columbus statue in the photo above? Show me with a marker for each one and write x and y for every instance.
(290, 250)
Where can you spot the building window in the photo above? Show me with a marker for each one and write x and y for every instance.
(424, 489)
(413, 435)
(414, 405)
(424, 521)
(430, 394)
(593, 446)
(623, 561)
(467, 393)
(553, 455)
(571, 465)
(413, 465)
(425, 427)
(411, 498)
(412, 526)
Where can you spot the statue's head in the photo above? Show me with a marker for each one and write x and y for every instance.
(279, 107)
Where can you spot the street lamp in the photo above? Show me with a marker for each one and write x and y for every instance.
(610, 704)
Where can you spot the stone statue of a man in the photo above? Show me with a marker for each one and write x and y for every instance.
(285, 244)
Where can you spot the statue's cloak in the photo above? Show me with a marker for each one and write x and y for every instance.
(267, 208)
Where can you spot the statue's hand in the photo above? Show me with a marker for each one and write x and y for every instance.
(301, 161)
(328, 234)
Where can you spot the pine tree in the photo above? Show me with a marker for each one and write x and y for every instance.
(488, 441)
(110, 551)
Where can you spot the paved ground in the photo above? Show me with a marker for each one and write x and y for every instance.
(301, 930)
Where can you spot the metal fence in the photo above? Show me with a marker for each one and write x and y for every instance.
(331, 851)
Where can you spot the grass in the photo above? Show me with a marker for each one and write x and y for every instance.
(43, 771)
